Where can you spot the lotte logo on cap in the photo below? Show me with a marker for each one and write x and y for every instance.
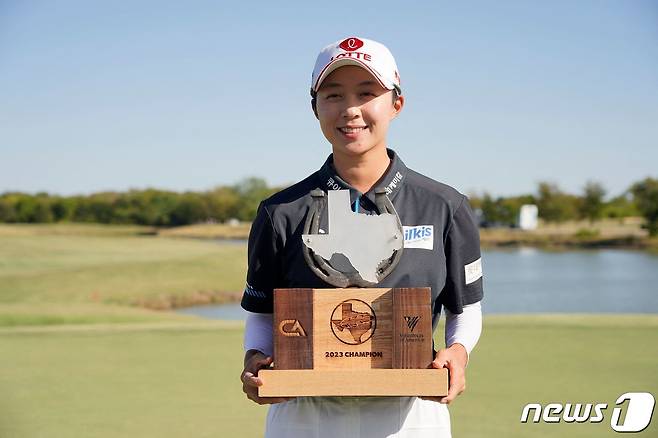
(351, 44)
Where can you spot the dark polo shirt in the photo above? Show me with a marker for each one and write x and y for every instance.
(441, 248)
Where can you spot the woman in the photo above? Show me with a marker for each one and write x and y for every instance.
(355, 95)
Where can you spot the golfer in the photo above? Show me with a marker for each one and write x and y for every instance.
(355, 95)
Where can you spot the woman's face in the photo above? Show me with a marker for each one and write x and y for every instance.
(355, 111)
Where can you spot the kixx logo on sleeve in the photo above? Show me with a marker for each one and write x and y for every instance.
(638, 412)
(473, 271)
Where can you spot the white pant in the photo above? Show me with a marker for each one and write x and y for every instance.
(358, 417)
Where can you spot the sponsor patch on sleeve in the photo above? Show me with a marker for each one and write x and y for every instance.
(473, 271)
(419, 236)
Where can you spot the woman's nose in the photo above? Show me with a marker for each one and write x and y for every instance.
(351, 110)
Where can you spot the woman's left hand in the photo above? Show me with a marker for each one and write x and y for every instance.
(454, 358)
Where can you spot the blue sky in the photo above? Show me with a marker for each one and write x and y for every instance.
(189, 95)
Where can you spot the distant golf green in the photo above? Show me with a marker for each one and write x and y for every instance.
(81, 358)
(90, 273)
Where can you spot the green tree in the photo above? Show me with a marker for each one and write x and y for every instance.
(98, 208)
(555, 205)
(190, 209)
(503, 211)
(33, 209)
(146, 207)
(63, 208)
(43, 213)
(25, 207)
(621, 206)
(160, 205)
(252, 191)
(591, 206)
(645, 194)
(489, 211)
(7, 212)
(223, 203)
(475, 201)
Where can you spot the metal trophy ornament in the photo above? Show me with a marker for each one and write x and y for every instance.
(355, 339)
(360, 250)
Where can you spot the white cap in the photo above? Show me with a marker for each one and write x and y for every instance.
(367, 54)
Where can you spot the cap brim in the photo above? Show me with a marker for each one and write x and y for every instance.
(340, 62)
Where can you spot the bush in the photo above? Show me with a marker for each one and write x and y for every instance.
(586, 233)
(645, 194)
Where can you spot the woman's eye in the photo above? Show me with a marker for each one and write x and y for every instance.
(367, 94)
(333, 96)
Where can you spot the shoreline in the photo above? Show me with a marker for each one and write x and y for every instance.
(566, 242)
(490, 238)
(174, 302)
(606, 234)
(626, 234)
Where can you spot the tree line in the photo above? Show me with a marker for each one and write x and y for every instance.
(556, 205)
(240, 201)
(142, 207)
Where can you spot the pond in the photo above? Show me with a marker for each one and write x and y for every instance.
(529, 280)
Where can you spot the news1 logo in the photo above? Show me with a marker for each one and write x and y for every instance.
(638, 412)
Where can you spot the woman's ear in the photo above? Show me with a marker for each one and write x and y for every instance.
(397, 105)
(314, 107)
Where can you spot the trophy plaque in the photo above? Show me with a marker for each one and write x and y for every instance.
(353, 341)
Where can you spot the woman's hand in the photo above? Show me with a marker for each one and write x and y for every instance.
(254, 361)
(454, 358)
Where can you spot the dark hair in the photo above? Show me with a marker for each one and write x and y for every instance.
(396, 92)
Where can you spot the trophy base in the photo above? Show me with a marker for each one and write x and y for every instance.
(355, 382)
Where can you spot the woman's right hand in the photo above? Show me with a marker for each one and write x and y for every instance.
(254, 361)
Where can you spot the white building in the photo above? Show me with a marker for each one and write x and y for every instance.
(528, 217)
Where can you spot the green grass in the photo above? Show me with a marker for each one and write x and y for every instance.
(145, 381)
(209, 231)
(565, 358)
(29, 314)
(81, 357)
(42, 269)
(74, 229)
(174, 380)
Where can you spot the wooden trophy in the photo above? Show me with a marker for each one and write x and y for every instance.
(353, 341)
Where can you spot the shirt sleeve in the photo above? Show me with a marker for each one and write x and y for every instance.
(463, 261)
(464, 328)
(262, 270)
(258, 333)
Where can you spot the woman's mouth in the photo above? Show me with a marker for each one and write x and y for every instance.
(352, 129)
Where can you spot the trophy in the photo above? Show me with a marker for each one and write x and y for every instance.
(355, 339)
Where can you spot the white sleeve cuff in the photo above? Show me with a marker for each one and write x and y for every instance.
(258, 333)
(464, 328)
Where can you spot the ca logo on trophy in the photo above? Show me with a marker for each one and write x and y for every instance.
(379, 337)
(291, 327)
